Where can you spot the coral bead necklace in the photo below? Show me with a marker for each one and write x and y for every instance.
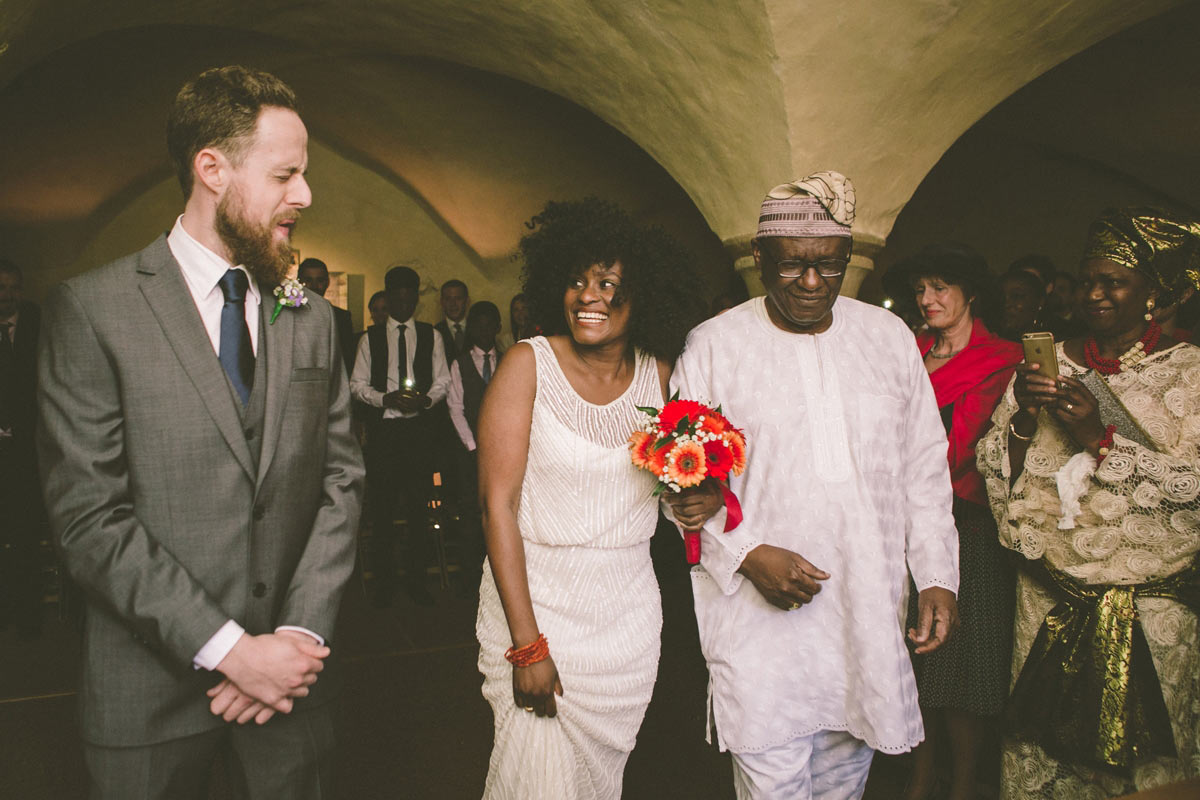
(1111, 366)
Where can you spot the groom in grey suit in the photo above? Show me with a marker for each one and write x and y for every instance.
(201, 479)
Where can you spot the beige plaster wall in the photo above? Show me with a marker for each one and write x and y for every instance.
(359, 223)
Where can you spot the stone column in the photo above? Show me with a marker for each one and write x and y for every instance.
(862, 261)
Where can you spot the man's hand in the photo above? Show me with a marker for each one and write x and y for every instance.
(273, 668)
(937, 619)
(695, 505)
(393, 399)
(412, 402)
(784, 578)
(232, 704)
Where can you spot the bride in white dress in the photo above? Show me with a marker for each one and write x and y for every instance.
(568, 519)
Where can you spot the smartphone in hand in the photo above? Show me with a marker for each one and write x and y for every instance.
(1039, 349)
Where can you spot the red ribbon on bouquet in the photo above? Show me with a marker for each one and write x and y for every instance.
(733, 518)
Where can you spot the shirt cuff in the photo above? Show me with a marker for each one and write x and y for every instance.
(298, 629)
(721, 553)
(215, 649)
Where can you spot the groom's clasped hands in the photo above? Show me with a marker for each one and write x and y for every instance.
(264, 674)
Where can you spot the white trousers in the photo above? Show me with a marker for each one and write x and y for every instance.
(829, 765)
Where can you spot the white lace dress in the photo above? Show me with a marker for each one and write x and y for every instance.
(586, 518)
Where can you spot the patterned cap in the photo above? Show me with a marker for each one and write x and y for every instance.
(820, 205)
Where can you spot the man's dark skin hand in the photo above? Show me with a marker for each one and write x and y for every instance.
(406, 400)
(785, 579)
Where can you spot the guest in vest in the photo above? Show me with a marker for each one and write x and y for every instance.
(202, 484)
(400, 372)
(20, 506)
(453, 327)
(455, 301)
(469, 376)
(313, 273)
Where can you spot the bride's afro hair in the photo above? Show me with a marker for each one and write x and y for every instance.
(656, 276)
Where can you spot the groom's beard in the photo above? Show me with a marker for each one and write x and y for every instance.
(254, 247)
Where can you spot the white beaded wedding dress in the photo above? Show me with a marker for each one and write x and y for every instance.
(586, 518)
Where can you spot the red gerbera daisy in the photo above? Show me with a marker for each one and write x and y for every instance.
(672, 412)
(719, 459)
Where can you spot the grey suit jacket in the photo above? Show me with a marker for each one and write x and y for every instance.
(154, 500)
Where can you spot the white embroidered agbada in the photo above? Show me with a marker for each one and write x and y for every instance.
(846, 467)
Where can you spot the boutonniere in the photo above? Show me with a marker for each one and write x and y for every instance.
(288, 294)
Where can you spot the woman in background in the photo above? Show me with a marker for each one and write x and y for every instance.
(1094, 480)
(965, 682)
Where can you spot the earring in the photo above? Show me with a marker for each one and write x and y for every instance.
(1149, 307)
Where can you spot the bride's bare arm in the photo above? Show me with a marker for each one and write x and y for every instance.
(505, 418)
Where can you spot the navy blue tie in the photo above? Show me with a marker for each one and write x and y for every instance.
(487, 368)
(236, 354)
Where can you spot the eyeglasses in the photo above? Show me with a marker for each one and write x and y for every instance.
(826, 267)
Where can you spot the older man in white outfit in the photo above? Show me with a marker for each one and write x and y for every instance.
(846, 491)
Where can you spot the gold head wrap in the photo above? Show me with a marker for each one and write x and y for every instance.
(1163, 247)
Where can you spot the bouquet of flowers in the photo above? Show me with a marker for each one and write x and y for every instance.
(683, 443)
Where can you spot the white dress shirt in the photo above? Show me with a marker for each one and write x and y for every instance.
(202, 271)
(454, 395)
(360, 378)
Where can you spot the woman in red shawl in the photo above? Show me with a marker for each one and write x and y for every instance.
(964, 683)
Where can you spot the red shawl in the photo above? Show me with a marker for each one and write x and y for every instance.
(974, 380)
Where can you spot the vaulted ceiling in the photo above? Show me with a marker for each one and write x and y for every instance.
(483, 110)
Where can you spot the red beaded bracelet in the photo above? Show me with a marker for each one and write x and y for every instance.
(532, 653)
(1106, 443)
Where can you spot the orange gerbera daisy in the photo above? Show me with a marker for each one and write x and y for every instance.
(737, 449)
(714, 423)
(656, 458)
(718, 459)
(687, 466)
(639, 441)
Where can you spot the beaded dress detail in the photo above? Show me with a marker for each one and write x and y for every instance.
(586, 518)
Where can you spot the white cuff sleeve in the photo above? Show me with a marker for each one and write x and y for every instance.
(721, 553)
(215, 649)
(298, 629)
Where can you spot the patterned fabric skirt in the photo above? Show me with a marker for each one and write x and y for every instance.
(971, 671)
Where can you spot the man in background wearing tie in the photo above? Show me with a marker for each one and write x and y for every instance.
(455, 302)
(314, 274)
(400, 372)
(201, 480)
(20, 506)
(470, 374)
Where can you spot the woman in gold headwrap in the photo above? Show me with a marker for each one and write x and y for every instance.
(1093, 477)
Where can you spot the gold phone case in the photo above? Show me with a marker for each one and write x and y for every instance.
(1039, 349)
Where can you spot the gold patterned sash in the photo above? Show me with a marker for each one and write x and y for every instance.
(1088, 691)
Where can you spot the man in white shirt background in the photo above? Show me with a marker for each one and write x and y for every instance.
(470, 374)
(400, 373)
